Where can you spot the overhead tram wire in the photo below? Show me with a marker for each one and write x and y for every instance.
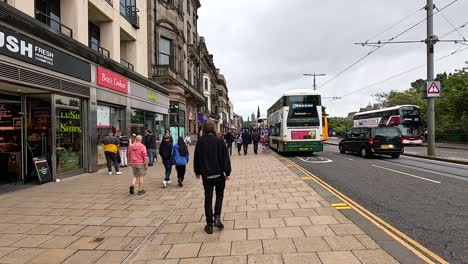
(450, 23)
(380, 44)
(460, 49)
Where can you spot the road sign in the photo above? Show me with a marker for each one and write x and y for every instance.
(433, 89)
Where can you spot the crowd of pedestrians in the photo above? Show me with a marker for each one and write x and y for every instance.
(211, 160)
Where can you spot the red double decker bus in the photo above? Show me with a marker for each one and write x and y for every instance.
(406, 117)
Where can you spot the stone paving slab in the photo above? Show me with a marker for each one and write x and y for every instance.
(270, 216)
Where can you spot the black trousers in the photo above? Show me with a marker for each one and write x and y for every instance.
(239, 147)
(246, 147)
(180, 172)
(255, 147)
(209, 184)
(112, 159)
(229, 146)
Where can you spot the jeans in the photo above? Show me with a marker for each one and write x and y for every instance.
(168, 167)
(209, 184)
(180, 172)
(246, 147)
(150, 156)
(255, 147)
(229, 146)
(112, 159)
(123, 157)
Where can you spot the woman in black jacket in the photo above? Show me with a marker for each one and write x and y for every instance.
(165, 150)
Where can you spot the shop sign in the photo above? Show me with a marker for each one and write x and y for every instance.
(174, 107)
(69, 121)
(152, 96)
(111, 80)
(103, 116)
(202, 118)
(18, 46)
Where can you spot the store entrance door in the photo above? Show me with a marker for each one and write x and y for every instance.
(38, 131)
(10, 139)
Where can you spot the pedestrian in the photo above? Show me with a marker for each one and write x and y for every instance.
(229, 140)
(150, 144)
(221, 136)
(246, 140)
(238, 140)
(180, 156)
(168, 133)
(139, 162)
(255, 140)
(165, 150)
(212, 164)
(110, 144)
(187, 140)
(123, 149)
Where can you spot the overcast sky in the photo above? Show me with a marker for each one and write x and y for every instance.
(264, 46)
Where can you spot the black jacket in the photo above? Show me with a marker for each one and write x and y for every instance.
(165, 150)
(211, 157)
(150, 141)
(229, 138)
(255, 137)
(246, 138)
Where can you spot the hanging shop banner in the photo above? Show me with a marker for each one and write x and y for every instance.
(20, 47)
(111, 80)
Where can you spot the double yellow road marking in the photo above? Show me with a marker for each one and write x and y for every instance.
(418, 249)
(341, 206)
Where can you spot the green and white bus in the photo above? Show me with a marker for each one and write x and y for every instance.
(295, 122)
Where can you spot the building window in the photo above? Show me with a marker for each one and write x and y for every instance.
(94, 36)
(188, 33)
(189, 73)
(165, 51)
(188, 6)
(48, 12)
(205, 84)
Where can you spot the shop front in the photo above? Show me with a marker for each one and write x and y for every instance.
(111, 96)
(177, 119)
(42, 94)
(149, 109)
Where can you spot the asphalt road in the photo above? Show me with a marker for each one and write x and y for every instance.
(425, 199)
(440, 152)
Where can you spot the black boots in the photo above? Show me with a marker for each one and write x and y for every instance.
(209, 229)
(218, 224)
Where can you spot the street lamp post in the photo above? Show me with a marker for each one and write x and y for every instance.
(314, 74)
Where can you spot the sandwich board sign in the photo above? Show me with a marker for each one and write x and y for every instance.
(433, 89)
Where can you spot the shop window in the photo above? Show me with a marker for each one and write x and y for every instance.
(108, 119)
(69, 134)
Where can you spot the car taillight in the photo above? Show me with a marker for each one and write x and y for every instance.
(401, 140)
(371, 141)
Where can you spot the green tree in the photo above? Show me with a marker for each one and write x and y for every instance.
(339, 125)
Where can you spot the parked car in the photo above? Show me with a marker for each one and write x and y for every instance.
(367, 141)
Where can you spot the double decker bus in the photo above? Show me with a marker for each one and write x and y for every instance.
(295, 122)
(406, 117)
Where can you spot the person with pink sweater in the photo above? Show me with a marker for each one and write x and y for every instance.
(139, 161)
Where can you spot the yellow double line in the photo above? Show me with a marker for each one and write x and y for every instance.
(418, 249)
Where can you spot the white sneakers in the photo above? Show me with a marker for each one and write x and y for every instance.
(110, 172)
(165, 183)
(119, 172)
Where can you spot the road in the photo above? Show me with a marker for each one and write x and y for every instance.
(440, 152)
(427, 200)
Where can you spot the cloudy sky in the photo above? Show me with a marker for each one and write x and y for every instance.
(263, 47)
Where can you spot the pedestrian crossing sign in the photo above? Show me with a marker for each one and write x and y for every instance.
(433, 89)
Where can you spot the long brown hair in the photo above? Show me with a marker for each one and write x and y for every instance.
(183, 151)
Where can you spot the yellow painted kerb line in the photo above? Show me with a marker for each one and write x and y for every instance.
(384, 226)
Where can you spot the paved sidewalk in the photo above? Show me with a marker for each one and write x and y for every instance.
(271, 216)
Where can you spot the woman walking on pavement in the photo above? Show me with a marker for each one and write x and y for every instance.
(238, 140)
(165, 150)
(180, 156)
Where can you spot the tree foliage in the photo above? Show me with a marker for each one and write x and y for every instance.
(339, 125)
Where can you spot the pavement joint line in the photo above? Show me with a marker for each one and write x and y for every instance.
(132, 256)
(378, 221)
(407, 174)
